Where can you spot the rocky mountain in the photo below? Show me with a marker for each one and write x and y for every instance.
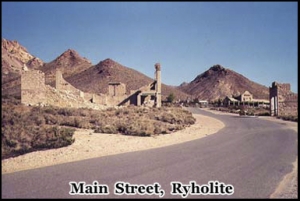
(76, 69)
(69, 63)
(96, 78)
(219, 82)
(15, 57)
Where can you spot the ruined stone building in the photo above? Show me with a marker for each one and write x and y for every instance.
(34, 91)
(151, 92)
(282, 100)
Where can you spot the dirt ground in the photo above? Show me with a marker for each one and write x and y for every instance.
(90, 145)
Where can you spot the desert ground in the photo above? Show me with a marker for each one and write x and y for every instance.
(90, 145)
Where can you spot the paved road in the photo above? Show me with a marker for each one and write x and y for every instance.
(251, 154)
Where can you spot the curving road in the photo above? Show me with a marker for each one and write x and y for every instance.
(251, 154)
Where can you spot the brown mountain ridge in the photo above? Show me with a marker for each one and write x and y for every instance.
(218, 82)
(96, 79)
(69, 63)
(78, 70)
(15, 57)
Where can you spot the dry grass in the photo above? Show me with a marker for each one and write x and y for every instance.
(26, 129)
(289, 117)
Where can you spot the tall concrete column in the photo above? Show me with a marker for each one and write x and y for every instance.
(158, 85)
(272, 108)
(58, 79)
(276, 106)
(139, 100)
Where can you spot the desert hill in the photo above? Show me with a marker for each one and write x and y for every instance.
(76, 69)
(15, 57)
(219, 82)
(96, 79)
(69, 63)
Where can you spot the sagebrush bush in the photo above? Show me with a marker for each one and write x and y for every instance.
(26, 129)
(289, 118)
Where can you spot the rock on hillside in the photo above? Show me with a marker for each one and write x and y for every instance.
(14, 56)
(219, 82)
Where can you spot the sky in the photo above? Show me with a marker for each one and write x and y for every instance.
(256, 39)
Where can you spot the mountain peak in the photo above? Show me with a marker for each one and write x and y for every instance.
(6, 43)
(71, 56)
(217, 67)
(108, 64)
(69, 53)
(219, 82)
(69, 63)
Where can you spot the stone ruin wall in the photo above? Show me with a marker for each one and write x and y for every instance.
(62, 85)
(33, 88)
(286, 101)
(34, 91)
(116, 89)
(117, 93)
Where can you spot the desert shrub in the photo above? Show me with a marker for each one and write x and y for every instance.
(83, 123)
(64, 111)
(289, 118)
(50, 110)
(264, 114)
(51, 119)
(39, 120)
(84, 112)
(109, 129)
(25, 129)
(55, 137)
(189, 120)
(138, 128)
(11, 99)
(168, 117)
(171, 98)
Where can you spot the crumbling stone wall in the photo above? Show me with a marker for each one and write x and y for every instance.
(282, 100)
(62, 84)
(33, 88)
(116, 89)
(67, 99)
(96, 99)
(34, 91)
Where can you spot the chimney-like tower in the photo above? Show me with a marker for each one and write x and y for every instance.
(158, 85)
